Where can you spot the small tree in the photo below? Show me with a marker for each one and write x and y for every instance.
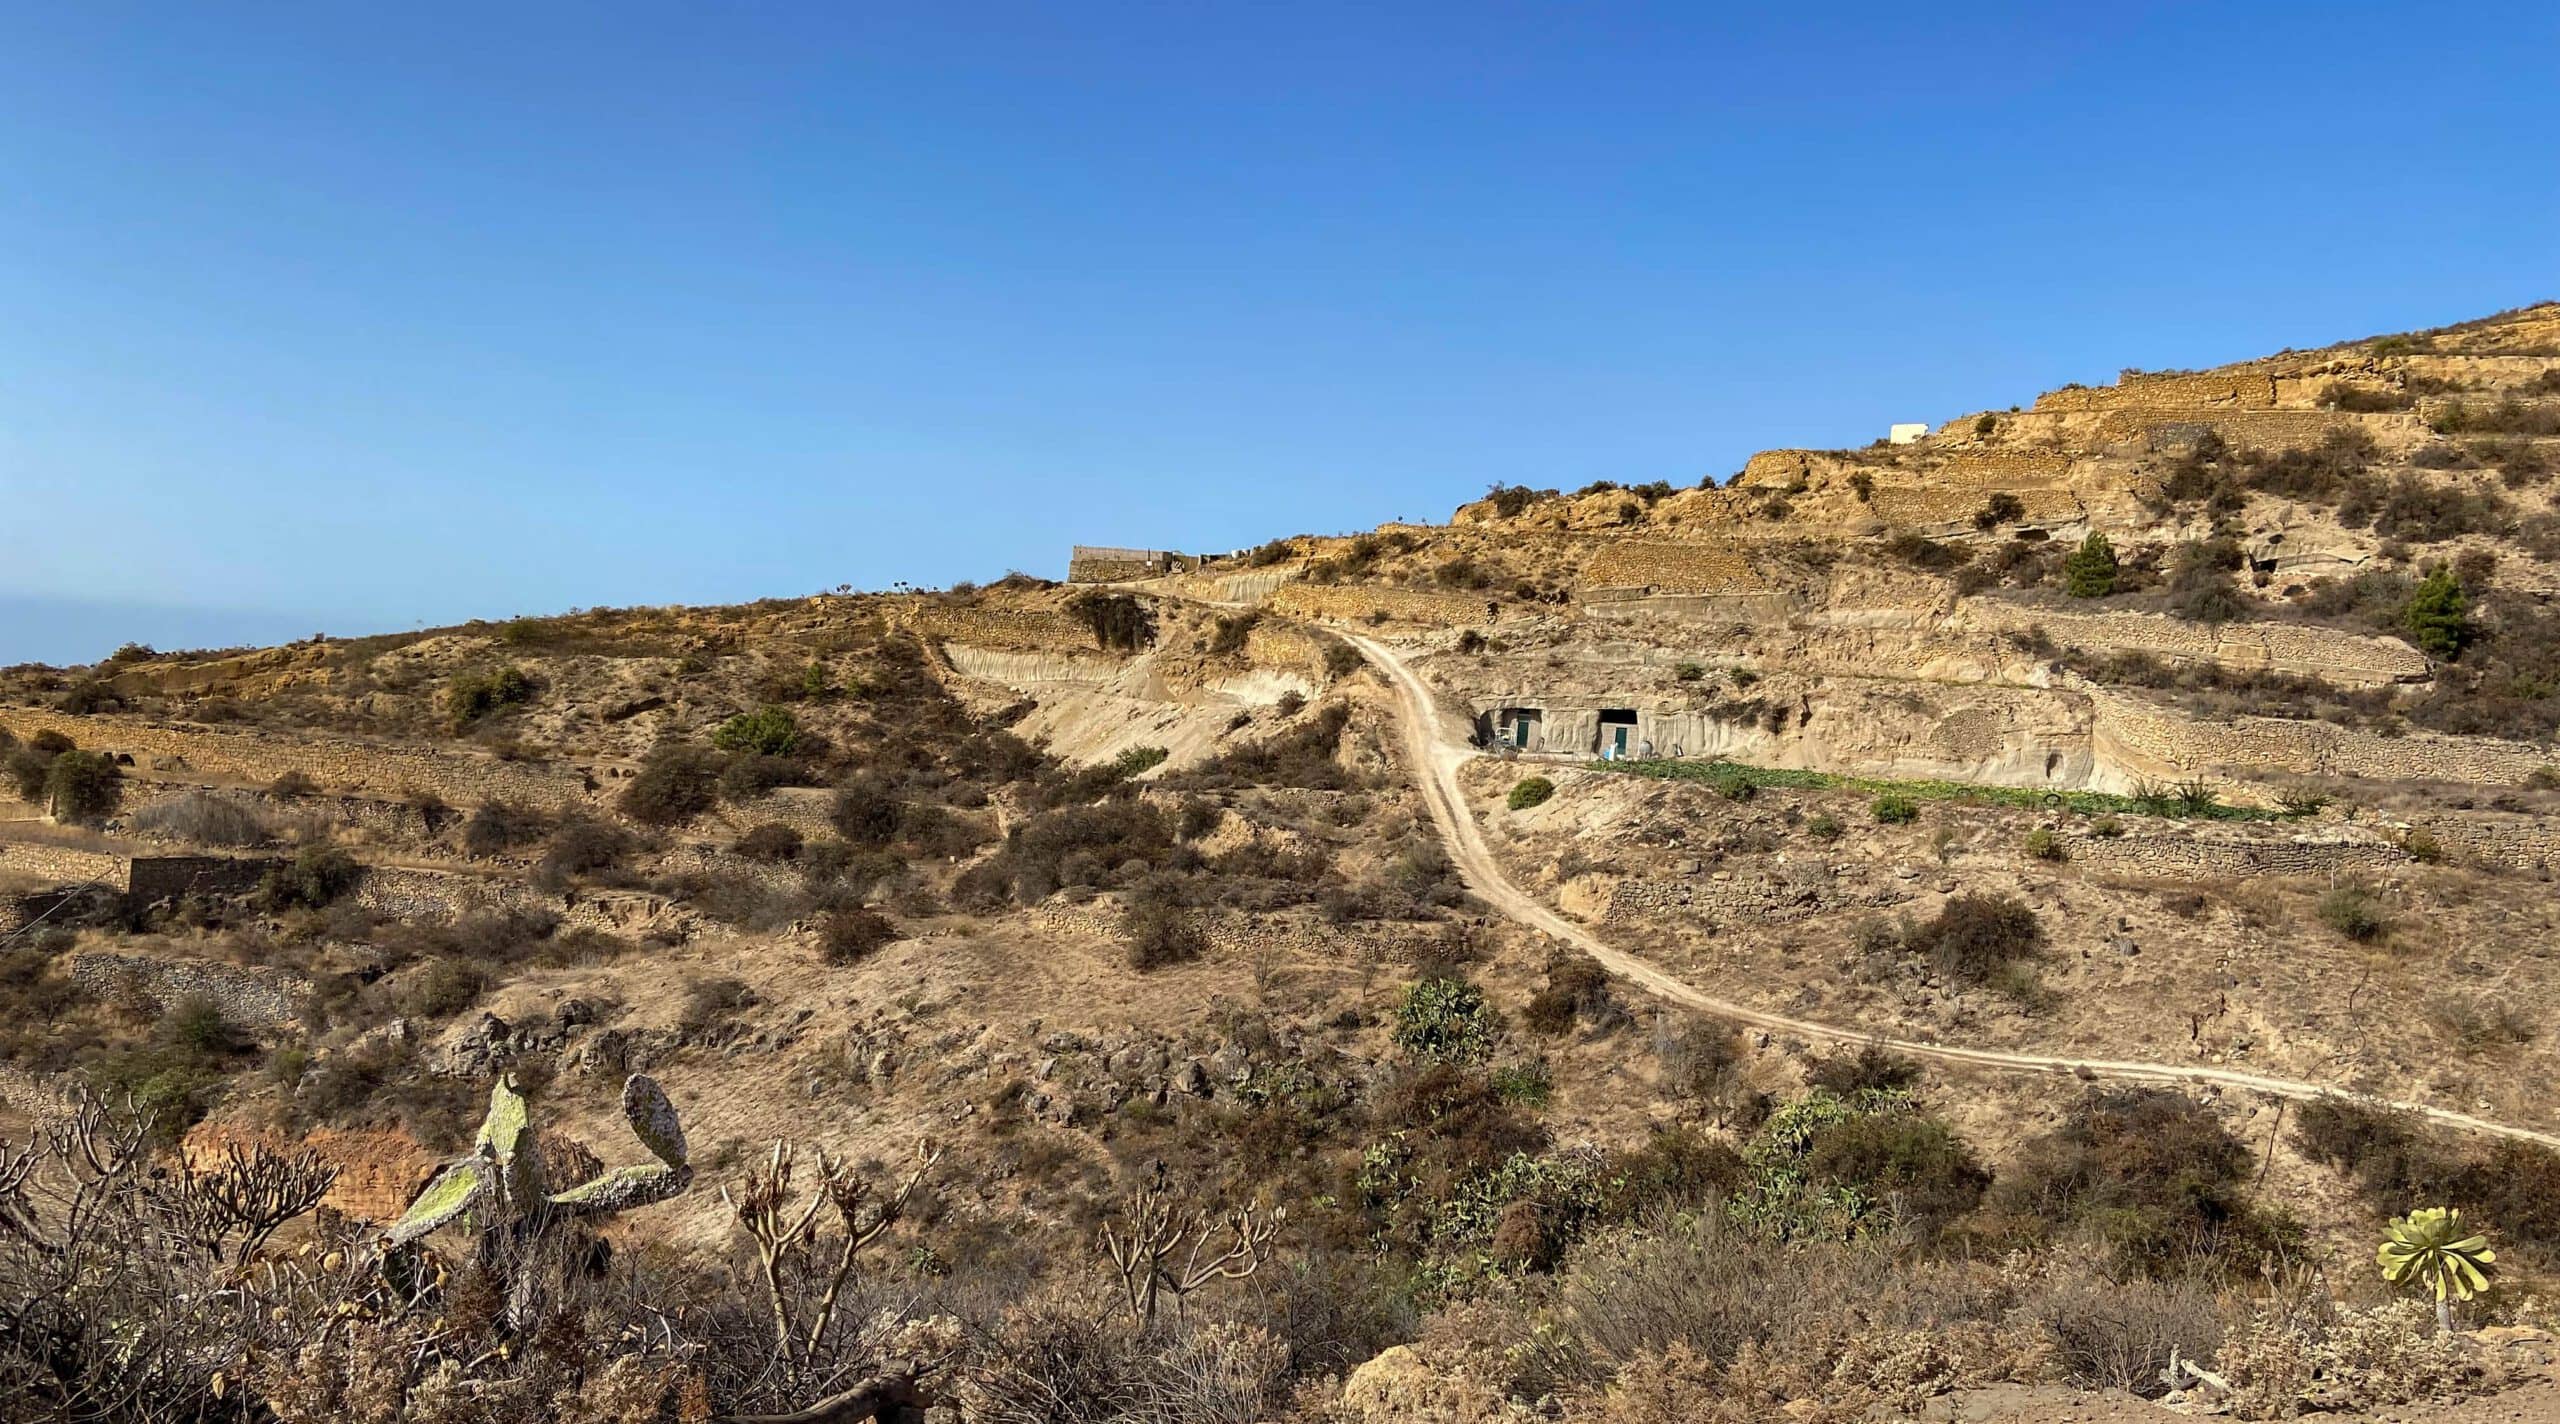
(82, 786)
(2438, 615)
(2430, 1247)
(767, 731)
(2090, 570)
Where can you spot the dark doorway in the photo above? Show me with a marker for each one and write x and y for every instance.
(1617, 731)
(1516, 727)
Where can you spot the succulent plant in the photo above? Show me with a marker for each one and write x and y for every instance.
(2434, 1249)
(500, 1181)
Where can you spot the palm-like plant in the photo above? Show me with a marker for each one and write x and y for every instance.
(2432, 1248)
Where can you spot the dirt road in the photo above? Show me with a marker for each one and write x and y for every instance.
(1436, 750)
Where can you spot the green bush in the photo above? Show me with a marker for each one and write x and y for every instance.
(315, 877)
(1974, 938)
(2438, 615)
(678, 782)
(2155, 1176)
(767, 731)
(2045, 845)
(82, 786)
(472, 696)
(2355, 912)
(1825, 827)
(1530, 791)
(1134, 760)
(1160, 932)
(2001, 508)
(1445, 1021)
(2090, 570)
(1894, 810)
(1689, 672)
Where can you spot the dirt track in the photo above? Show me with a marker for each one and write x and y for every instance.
(1437, 753)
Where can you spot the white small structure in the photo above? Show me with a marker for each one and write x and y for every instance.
(1906, 432)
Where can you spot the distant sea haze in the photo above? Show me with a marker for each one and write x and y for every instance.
(38, 629)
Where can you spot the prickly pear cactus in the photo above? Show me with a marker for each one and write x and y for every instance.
(500, 1184)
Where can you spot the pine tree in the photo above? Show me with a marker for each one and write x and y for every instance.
(2438, 615)
(2090, 571)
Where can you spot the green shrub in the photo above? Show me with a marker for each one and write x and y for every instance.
(2045, 845)
(767, 731)
(1527, 1085)
(82, 786)
(316, 876)
(2355, 912)
(1893, 810)
(2090, 570)
(1160, 932)
(1689, 672)
(1984, 424)
(1119, 622)
(472, 696)
(1825, 827)
(678, 782)
(1134, 760)
(2001, 508)
(1733, 783)
(2438, 615)
(1530, 791)
(1445, 1021)
(2155, 1176)
(1228, 633)
(1973, 938)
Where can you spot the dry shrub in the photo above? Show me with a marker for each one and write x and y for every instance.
(2285, 1361)
(1066, 1359)
(849, 936)
(2113, 1332)
(203, 819)
(1974, 938)
(771, 841)
(503, 825)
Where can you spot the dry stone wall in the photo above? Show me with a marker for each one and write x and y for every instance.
(2139, 738)
(338, 763)
(1673, 568)
(2243, 388)
(261, 1001)
(65, 865)
(1035, 629)
(2187, 856)
(1355, 603)
(2345, 659)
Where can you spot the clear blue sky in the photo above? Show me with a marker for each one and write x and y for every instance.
(352, 317)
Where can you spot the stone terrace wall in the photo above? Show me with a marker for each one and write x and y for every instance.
(1355, 602)
(460, 778)
(1674, 568)
(2520, 844)
(254, 999)
(2346, 659)
(2246, 388)
(2180, 856)
(2139, 738)
(1923, 507)
(1032, 629)
(66, 865)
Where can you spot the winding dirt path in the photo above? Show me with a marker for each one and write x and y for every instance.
(1437, 753)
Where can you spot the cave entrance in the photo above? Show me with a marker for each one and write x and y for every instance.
(1617, 732)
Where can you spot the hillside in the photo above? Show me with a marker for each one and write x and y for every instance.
(2161, 775)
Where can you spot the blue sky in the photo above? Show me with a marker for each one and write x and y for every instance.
(352, 318)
